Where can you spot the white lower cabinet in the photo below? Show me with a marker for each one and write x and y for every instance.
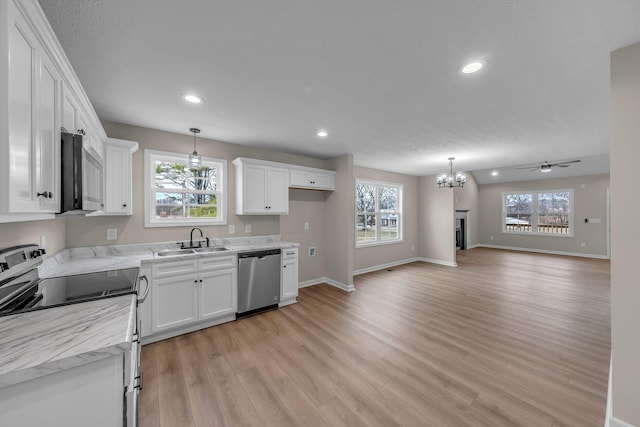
(88, 395)
(189, 295)
(289, 277)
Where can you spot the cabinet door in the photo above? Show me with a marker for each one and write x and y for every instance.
(314, 180)
(254, 191)
(289, 288)
(117, 172)
(218, 293)
(48, 136)
(21, 102)
(321, 181)
(174, 302)
(277, 191)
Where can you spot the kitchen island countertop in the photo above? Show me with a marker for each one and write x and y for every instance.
(42, 342)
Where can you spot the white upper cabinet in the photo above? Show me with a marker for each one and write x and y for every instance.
(118, 179)
(39, 94)
(314, 179)
(262, 188)
(29, 121)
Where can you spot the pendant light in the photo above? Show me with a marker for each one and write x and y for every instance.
(450, 180)
(195, 159)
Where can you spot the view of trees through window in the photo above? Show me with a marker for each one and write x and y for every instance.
(183, 192)
(377, 212)
(545, 212)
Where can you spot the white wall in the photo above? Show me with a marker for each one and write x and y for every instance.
(625, 234)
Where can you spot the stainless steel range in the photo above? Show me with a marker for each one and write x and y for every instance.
(21, 289)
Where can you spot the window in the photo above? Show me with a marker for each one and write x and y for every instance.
(378, 213)
(178, 195)
(538, 212)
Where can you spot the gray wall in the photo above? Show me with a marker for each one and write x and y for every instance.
(19, 233)
(339, 227)
(305, 206)
(589, 202)
(436, 222)
(625, 234)
(378, 255)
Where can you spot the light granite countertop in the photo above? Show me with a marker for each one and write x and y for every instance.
(103, 258)
(43, 342)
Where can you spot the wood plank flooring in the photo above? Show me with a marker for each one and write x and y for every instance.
(504, 339)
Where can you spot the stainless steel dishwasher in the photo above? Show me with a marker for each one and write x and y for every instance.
(258, 281)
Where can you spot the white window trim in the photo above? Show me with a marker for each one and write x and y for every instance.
(149, 196)
(534, 215)
(400, 238)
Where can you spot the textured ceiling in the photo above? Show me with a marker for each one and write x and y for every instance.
(381, 77)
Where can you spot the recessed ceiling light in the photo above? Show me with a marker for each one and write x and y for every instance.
(193, 99)
(322, 133)
(494, 173)
(472, 67)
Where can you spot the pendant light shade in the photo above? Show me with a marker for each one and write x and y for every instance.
(195, 159)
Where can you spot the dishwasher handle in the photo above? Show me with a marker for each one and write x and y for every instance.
(259, 254)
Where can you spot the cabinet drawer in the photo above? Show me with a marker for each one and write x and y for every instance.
(174, 268)
(290, 253)
(218, 262)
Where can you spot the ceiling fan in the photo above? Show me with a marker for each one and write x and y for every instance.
(546, 166)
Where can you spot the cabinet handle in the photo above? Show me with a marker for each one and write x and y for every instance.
(200, 280)
(45, 194)
(284, 266)
(124, 205)
(195, 281)
(81, 132)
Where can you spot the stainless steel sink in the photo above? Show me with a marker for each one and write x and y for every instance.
(175, 252)
(190, 251)
(211, 249)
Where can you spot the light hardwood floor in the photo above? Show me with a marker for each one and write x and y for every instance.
(504, 339)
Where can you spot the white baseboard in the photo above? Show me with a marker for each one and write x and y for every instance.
(383, 266)
(614, 422)
(543, 251)
(319, 280)
(438, 261)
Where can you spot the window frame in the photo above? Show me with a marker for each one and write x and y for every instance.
(376, 212)
(150, 221)
(535, 213)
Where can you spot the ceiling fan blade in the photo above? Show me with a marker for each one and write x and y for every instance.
(563, 166)
(567, 163)
(527, 167)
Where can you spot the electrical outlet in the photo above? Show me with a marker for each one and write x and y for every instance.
(490, 237)
(247, 228)
(112, 233)
(232, 229)
(583, 244)
(306, 225)
(312, 251)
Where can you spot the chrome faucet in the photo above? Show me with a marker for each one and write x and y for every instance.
(191, 237)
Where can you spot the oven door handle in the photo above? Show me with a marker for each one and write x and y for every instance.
(146, 290)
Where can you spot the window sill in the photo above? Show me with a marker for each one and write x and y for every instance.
(378, 243)
(530, 233)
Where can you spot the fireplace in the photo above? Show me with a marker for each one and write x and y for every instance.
(461, 229)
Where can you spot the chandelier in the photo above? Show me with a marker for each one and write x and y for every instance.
(449, 180)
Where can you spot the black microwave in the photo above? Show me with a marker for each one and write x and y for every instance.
(81, 182)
